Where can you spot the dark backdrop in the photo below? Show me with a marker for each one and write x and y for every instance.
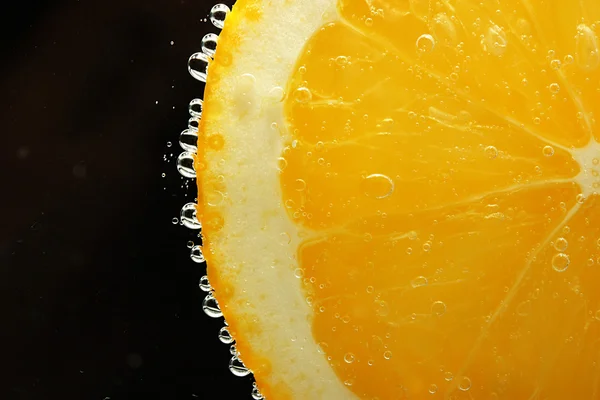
(98, 296)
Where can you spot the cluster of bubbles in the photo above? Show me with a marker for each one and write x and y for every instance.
(188, 141)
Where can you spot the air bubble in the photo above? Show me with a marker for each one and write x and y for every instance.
(193, 123)
(225, 336)
(425, 43)
(560, 262)
(210, 306)
(300, 185)
(491, 152)
(185, 165)
(256, 394)
(561, 244)
(276, 94)
(433, 388)
(387, 354)
(438, 308)
(237, 367)
(554, 88)
(188, 140)
(548, 151)
(195, 108)
(204, 284)
(349, 358)
(198, 66)
(341, 60)
(448, 376)
(196, 254)
(218, 14)
(418, 282)
(555, 64)
(464, 384)
(188, 216)
(302, 95)
(209, 44)
(378, 186)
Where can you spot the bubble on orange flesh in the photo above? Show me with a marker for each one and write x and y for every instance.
(443, 167)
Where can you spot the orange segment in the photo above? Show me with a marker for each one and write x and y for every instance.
(429, 181)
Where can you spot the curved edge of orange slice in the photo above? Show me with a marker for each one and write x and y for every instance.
(240, 200)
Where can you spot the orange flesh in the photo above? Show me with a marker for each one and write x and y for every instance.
(451, 251)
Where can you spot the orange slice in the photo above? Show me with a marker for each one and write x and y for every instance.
(399, 198)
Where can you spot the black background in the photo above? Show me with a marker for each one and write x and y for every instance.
(98, 296)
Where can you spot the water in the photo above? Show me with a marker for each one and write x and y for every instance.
(188, 216)
(198, 66)
(237, 367)
(209, 44)
(211, 307)
(196, 255)
(218, 14)
(185, 165)
(188, 140)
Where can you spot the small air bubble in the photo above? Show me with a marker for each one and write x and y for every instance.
(210, 306)
(185, 165)
(188, 216)
(560, 262)
(195, 108)
(225, 336)
(349, 358)
(561, 244)
(198, 66)
(438, 308)
(196, 254)
(418, 282)
(464, 384)
(387, 354)
(548, 151)
(554, 88)
(491, 152)
(425, 43)
(433, 388)
(218, 14)
(302, 95)
(188, 140)
(378, 186)
(448, 376)
(209, 44)
(237, 367)
(256, 394)
(204, 284)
